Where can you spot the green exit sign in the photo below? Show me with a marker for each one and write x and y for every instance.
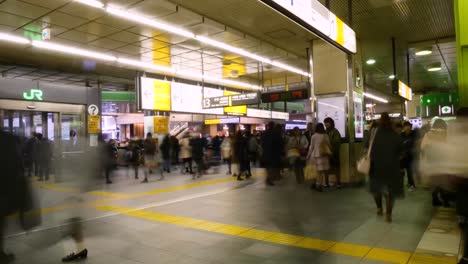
(33, 94)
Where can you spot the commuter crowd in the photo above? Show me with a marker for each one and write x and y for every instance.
(392, 151)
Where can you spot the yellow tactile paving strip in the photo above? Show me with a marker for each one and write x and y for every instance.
(359, 251)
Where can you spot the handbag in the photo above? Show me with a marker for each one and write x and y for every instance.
(363, 165)
(324, 149)
(310, 173)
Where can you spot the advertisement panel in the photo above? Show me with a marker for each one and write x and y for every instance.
(358, 116)
(333, 107)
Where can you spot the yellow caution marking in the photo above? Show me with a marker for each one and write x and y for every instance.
(348, 249)
(392, 256)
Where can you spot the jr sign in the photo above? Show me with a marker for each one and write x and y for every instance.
(34, 94)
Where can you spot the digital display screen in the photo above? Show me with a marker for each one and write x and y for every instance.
(285, 96)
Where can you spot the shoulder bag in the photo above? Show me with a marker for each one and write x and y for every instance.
(363, 165)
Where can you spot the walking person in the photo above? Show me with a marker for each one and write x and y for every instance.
(165, 148)
(29, 153)
(198, 144)
(108, 157)
(319, 154)
(186, 154)
(335, 142)
(409, 143)
(272, 145)
(175, 150)
(297, 151)
(384, 176)
(134, 157)
(150, 155)
(226, 153)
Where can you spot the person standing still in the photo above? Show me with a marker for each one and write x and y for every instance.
(166, 153)
(319, 154)
(226, 152)
(150, 151)
(272, 145)
(186, 154)
(409, 140)
(335, 141)
(44, 152)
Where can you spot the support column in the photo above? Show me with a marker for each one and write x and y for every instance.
(461, 30)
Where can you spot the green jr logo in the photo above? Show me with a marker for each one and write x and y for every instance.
(34, 94)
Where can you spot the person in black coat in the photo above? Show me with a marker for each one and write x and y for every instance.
(166, 153)
(273, 147)
(198, 144)
(44, 156)
(11, 193)
(384, 177)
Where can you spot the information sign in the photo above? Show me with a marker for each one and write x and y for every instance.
(94, 124)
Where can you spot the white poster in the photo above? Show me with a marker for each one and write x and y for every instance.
(147, 93)
(188, 99)
(251, 112)
(333, 107)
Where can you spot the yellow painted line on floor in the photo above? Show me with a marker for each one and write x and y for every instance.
(59, 188)
(340, 248)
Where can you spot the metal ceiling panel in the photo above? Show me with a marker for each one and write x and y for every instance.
(97, 29)
(106, 43)
(78, 36)
(182, 18)
(63, 20)
(207, 27)
(115, 22)
(128, 37)
(12, 20)
(22, 9)
(132, 50)
(50, 4)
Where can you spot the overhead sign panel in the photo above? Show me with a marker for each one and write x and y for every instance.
(155, 94)
(316, 16)
(231, 100)
(233, 120)
(403, 90)
(258, 113)
(187, 98)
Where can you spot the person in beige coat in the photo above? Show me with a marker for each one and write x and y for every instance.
(186, 154)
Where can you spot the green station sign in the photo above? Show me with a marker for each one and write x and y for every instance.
(33, 94)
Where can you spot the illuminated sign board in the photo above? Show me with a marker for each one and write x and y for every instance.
(258, 113)
(285, 96)
(231, 100)
(33, 94)
(314, 16)
(403, 90)
(280, 115)
(234, 120)
(155, 94)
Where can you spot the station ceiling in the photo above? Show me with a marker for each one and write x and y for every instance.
(245, 24)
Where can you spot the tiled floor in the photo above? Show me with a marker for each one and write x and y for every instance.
(346, 215)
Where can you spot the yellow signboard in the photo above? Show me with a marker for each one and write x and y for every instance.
(212, 121)
(238, 110)
(94, 124)
(162, 95)
(405, 91)
(161, 124)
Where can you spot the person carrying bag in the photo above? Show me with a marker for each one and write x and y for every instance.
(363, 165)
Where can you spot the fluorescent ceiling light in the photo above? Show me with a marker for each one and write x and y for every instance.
(370, 61)
(391, 77)
(149, 22)
(71, 50)
(92, 3)
(380, 99)
(15, 39)
(182, 32)
(423, 52)
(433, 69)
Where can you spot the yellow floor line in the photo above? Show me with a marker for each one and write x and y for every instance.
(348, 249)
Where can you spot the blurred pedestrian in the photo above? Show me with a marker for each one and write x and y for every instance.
(273, 147)
(44, 157)
(407, 161)
(134, 157)
(186, 154)
(29, 154)
(335, 142)
(253, 149)
(296, 146)
(226, 152)
(107, 154)
(319, 154)
(384, 177)
(199, 145)
(175, 150)
(150, 151)
(165, 148)
(241, 155)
